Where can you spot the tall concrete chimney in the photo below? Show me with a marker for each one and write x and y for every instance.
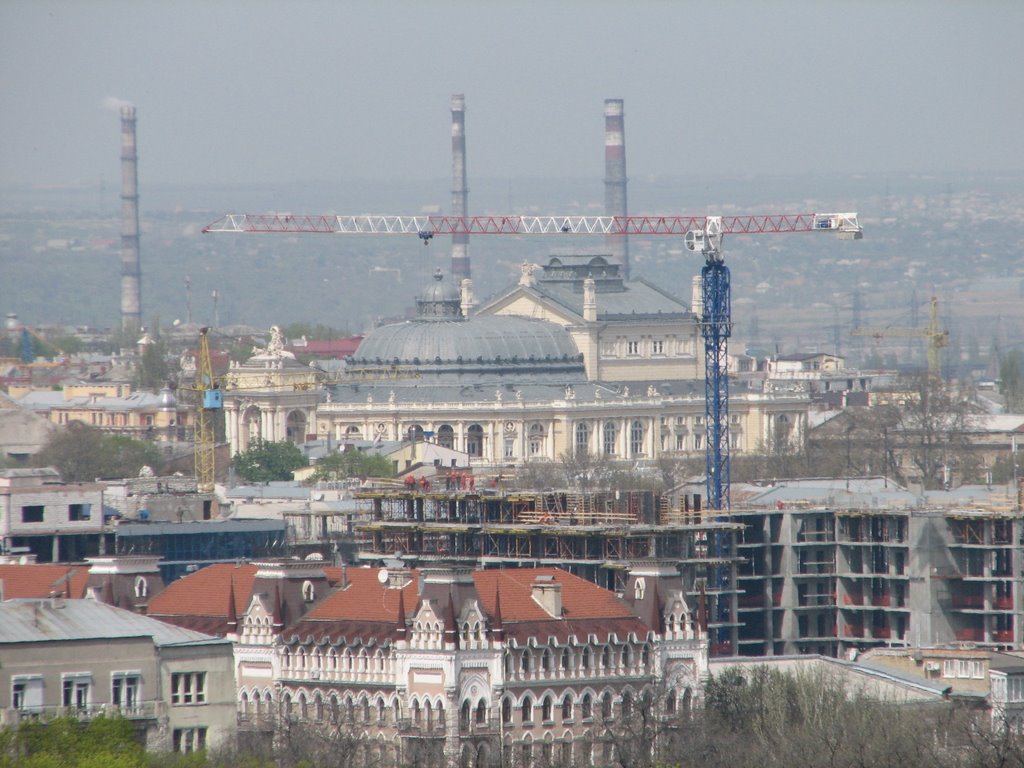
(131, 311)
(460, 243)
(615, 177)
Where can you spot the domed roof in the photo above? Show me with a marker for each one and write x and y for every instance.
(481, 342)
(439, 291)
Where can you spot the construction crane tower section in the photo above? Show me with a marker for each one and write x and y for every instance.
(209, 400)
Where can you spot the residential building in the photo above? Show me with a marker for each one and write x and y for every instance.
(55, 521)
(84, 658)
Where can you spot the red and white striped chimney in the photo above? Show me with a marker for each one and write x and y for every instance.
(460, 194)
(131, 310)
(615, 177)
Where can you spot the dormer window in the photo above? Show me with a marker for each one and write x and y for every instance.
(141, 586)
(639, 587)
(308, 591)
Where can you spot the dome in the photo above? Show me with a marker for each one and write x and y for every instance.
(439, 300)
(487, 342)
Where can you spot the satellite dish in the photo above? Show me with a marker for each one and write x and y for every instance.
(382, 575)
(177, 322)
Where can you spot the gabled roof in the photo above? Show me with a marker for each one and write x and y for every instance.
(200, 600)
(367, 611)
(39, 580)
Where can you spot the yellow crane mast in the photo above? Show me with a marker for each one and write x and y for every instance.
(209, 400)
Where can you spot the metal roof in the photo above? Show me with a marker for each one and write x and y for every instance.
(34, 621)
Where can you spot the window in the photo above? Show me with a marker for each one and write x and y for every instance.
(608, 441)
(32, 513)
(125, 688)
(188, 688)
(188, 740)
(636, 439)
(77, 690)
(546, 709)
(475, 440)
(587, 707)
(658, 347)
(141, 586)
(527, 710)
(510, 447)
(566, 708)
(79, 512)
(536, 439)
(582, 438)
(27, 692)
(632, 347)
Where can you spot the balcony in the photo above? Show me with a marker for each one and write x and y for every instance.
(147, 710)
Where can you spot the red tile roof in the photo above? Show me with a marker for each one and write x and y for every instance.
(205, 592)
(200, 600)
(367, 610)
(38, 580)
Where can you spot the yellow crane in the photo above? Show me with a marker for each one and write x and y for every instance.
(209, 400)
(935, 337)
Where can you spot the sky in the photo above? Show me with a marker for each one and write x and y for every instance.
(246, 91)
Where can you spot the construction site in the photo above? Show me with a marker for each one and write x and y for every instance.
(593, 535)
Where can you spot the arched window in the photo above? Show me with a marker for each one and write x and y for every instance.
(626, 707)
(606, 657)
(446, 436)
(382, 711)
(524, 662)
(606, 706)
(582, 438)
(481, 712)
(586, 661)
(308, 591)
(527, 710)
(506, 710)
(608, 435)
(636, 439)
(536, 439)
(545, 661)
(670, 702)
(567, 708)
(415, 433)
(587, 707)
(295, 427)
(546, 709)
(141, 586)
(565, 660)
(475, 440)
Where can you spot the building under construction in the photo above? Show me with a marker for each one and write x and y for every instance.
(593, 535)
(836, 579)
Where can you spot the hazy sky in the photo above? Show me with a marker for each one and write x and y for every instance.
(249, 91)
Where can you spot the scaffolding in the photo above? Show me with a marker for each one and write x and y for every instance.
(596, 536)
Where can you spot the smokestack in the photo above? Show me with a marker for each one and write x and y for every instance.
(460, 243)
(131, 312)
(615, 177)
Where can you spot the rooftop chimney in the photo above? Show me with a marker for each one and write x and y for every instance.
(547, 593)
(460, 242)
(131, 307)
(615, 177)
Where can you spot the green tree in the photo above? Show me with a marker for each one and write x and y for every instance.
(265, 461)
(344, 464)
(67, 743)
(82, 453)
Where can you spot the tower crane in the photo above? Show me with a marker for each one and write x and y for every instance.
(702, 234)
(209, 398)
(935, 337)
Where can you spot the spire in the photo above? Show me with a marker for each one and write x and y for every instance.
(497, 627)
(232, 608)
(400, 627)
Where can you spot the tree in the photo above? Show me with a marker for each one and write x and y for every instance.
(82, 453)
(344, 464)
(265, 461)
(65, 742)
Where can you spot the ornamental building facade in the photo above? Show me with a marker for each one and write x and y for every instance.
(562, 362)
